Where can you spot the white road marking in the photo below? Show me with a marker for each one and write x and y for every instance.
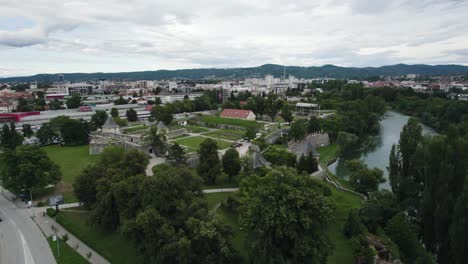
(28, 259)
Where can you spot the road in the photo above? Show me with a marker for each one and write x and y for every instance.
(21, 240)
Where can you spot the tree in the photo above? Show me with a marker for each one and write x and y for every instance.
(121, 101)
(286, 215)
(272, 105)
(380, 207)
(401, 232)
(72, 131)
(209, 166)
(162, 113)
(250, 133)
(114, 112)
(353, 226)
(403, 177)
(280, 157)
(459, 229)
(287, 114)
(132, 115)
(313, 125)
(346, 142)
(231, 163)
(74, 101)
(176, 156)
(85, 184)
(156, 139)
(9, 138)
(47, 134)
(99, 118)
(27, 130)
(298, 130)
(308, 164)
(28, 166)
(363, 179)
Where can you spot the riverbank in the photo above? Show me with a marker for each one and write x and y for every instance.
(376, 155)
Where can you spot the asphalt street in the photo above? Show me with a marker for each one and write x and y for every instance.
(21, 241)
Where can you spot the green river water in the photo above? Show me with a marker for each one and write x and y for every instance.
(377, 154)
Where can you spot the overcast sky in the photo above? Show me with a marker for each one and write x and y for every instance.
(50, 36)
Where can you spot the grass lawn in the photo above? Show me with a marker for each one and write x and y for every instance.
(216, 198)
(231, 121)
(132, 129)
(344, 202)
(239, 234)
(67, 254)
(194, 142)
(111, 245)
(196, 129)
(226, 134)
(71, 160)
(327, 153)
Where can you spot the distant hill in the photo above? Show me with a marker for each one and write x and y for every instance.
(330, 71)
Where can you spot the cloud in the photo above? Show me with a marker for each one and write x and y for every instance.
(120, 35)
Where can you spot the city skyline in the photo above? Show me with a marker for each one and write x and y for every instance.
(116, 36)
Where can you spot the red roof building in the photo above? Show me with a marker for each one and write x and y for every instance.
(238, 114)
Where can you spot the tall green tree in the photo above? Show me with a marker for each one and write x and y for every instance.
(286, 113)
(404, 179)
(209, 166)
(273, 104)
(28, 166)
(313, 125)
(231, 163)
(286, 215)
(163, 114)
(9, 137)
(459, 229)
(132, 115)
(99, 118)
(74, 101)
(298, 130)
(157, 140)
(114, 112)
(176, 156)
(27, 130)
(363, 179)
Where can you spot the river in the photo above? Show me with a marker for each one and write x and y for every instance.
(377, 155)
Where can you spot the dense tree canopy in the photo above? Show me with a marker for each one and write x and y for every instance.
(287, 215)
(231, 163)
(209, 166)
(28, 166)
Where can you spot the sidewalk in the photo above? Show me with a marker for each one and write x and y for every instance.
(45, 223)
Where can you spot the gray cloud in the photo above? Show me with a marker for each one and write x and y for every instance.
(118, 35)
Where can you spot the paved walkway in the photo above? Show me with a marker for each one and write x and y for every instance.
(153, 162)
(220, 190)
(46, 224)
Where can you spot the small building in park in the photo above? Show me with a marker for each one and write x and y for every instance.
(110, 126)
(238, 114)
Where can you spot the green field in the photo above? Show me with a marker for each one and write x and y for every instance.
(194, 142)
(231, 121)
(111, 245)
(67, 254)
(327, 153)
(196, 129)
(344, 202)
(135, 129)
(216, 198)
(71, 160)
(226, 134)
